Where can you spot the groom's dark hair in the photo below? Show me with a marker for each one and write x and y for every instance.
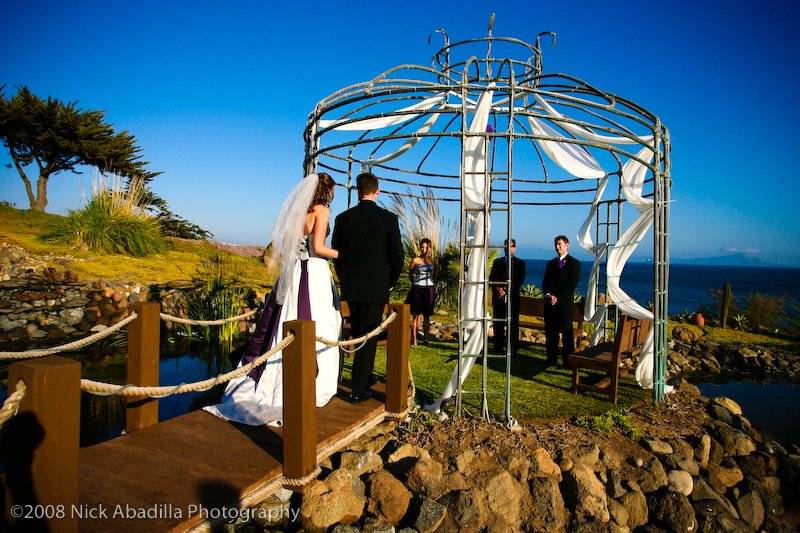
(367, 183)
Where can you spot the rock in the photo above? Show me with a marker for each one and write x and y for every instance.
(502, 495)
(338, 499)
(684, 334)
(519, 467)
(566, 464)
(425, 477)
(722, 478)
(650, 476)
(388, 497)
(542, 465)
(547, 505)
(734, 442)
(703, 491)
(716, 453)
(672, 511)
(372, 525)
(732, 407)
(364, 462)
(618, 512)
(431, 515)
(753, 465)
(657, 446)
(586, 455)
(636, 505)
(585, 495)
(345, 529)
(720, 413)
(468, 510)
(712, 517)
(614, 486)
(464, 460)
(272, 512)
(751, 509)
(680, 481)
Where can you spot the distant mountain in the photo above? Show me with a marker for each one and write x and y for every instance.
(725, 260)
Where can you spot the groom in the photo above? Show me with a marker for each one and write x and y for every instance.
(370, 260)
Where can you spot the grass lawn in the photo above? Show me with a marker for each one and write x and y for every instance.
(538, 391)
(180, 261)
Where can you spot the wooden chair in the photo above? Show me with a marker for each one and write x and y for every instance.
(605, 357)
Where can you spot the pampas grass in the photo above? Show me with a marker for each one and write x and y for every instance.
(110, 221)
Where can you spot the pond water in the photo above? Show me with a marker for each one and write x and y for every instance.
(772, 407)
(103, 417)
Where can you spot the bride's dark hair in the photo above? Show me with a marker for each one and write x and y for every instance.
(324, 193)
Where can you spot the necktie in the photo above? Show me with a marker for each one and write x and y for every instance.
(562, 262)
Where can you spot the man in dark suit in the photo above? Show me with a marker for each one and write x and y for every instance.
(499, 273)
(370, 260)
(561, 277)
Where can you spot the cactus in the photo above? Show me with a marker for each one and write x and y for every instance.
(727, 296)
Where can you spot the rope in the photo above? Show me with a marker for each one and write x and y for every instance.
(11, 405)
(80, 343)
(219, 322)
(300, 481)
(130, 390)
(361, 341)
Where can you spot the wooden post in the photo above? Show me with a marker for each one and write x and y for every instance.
(397, 342)
(42, 443)
(143, 359)
(299, 399)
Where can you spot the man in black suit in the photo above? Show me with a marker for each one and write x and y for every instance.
(561, 277)
(499, 273)
(370, 260)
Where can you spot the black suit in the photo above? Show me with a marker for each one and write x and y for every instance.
(367, 238)
(499, 272)
(560, 281)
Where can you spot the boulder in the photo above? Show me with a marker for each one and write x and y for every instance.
(635, 503)
(751, 509)
(657, 446)
(722, 478)
(614, 486)
(733, 442)
(713, 517)
(680, 481)
(703, 491)
(586, 455)
(271, 513)
(672, 511)
(542, 464)
(468, 510)
(388, 497)
(503, 495)
(431, 515)
(585, 495)
(547, 506)
(650, 476)
(425, 477)
(618, 512)
(363, 462)
(732, 407)
(339, 499)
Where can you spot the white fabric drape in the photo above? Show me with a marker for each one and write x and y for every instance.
(382, 122)
(571, 157)
(584, 133)
(473, 297)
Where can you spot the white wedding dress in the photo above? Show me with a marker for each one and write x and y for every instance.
(260, 401)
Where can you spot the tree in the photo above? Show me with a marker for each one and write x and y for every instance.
(59, 136)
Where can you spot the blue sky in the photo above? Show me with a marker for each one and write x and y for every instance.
(217, 96)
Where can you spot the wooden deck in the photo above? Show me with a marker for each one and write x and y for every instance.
(173, 468)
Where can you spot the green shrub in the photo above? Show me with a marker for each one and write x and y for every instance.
(606, 422)
(109, 222)
(763, 310)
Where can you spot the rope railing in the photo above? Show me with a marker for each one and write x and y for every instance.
(219, 322)
(71, 346)
(130, 390)
(11, 405)
(361, 341)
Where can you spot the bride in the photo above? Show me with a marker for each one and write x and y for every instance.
(304, 290)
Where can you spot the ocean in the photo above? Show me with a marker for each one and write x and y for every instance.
(690, 285)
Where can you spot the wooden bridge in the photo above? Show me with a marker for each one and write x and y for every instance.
(171, 476)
